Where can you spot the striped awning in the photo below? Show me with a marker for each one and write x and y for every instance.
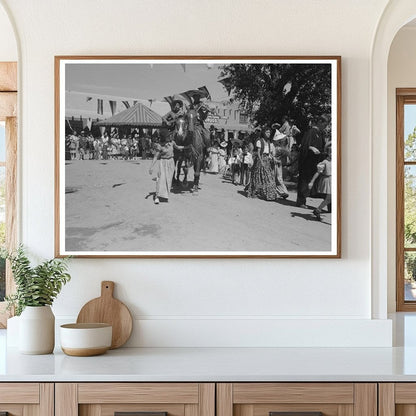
(135, 116)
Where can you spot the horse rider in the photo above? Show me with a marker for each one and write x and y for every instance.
(202, 111)
(196, 115)
(169, 119)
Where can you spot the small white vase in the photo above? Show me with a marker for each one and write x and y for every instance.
(37, 330)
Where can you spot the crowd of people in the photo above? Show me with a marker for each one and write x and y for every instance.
(86, 146)
(270, 157)
(263, 161)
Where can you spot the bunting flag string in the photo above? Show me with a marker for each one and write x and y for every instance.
(187, 98)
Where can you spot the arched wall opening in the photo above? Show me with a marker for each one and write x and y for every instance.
(396, 15)
(401, 74)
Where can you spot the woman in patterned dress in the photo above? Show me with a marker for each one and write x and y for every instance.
(262, 183)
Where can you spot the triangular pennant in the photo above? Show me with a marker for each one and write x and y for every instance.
(113, 106)
(100, 106)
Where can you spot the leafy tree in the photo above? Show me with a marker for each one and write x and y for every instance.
(410, 206)
(268, 92)
(410, 266)
(410, 192)
(2, 234)
(410, 146)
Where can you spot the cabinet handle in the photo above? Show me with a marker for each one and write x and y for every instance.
(138, 414)
(295, 414)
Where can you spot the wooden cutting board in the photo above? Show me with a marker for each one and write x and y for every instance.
(107, 309)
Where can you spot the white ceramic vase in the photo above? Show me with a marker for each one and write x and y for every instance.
(37, 330)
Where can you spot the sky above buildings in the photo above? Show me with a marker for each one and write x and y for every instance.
(143, 80)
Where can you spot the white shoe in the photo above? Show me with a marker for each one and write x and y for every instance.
(156, 201)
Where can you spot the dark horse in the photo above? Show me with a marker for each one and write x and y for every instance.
(181, 157)
(195, 130)
(188, 133)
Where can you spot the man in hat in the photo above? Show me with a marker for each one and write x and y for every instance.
(177, 111)
(311, 153)
(212, 135)
(201, 109)
(169, 120)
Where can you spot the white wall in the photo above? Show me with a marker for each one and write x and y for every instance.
(401, 74)
(277, 301)
(8, 46)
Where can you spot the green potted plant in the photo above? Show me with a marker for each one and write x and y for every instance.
(36, 289)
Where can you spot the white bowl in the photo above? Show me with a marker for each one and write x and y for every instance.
(83, 340)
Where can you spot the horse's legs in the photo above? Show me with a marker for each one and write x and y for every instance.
(185, 171)
(197, 171)
(178, 168)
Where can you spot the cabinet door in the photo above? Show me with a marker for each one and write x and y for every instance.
(297, 399)
(142, 399)
(26, 399)
(397, 399)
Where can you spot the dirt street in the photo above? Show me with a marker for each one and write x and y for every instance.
(109, 207)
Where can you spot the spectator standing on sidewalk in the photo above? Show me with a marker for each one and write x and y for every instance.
(311, 153)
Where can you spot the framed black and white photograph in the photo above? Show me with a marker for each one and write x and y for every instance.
(198, 156)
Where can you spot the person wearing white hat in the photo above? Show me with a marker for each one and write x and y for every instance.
(222, 153)
(213, 158)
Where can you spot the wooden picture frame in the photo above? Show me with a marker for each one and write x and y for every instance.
(112, 112)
